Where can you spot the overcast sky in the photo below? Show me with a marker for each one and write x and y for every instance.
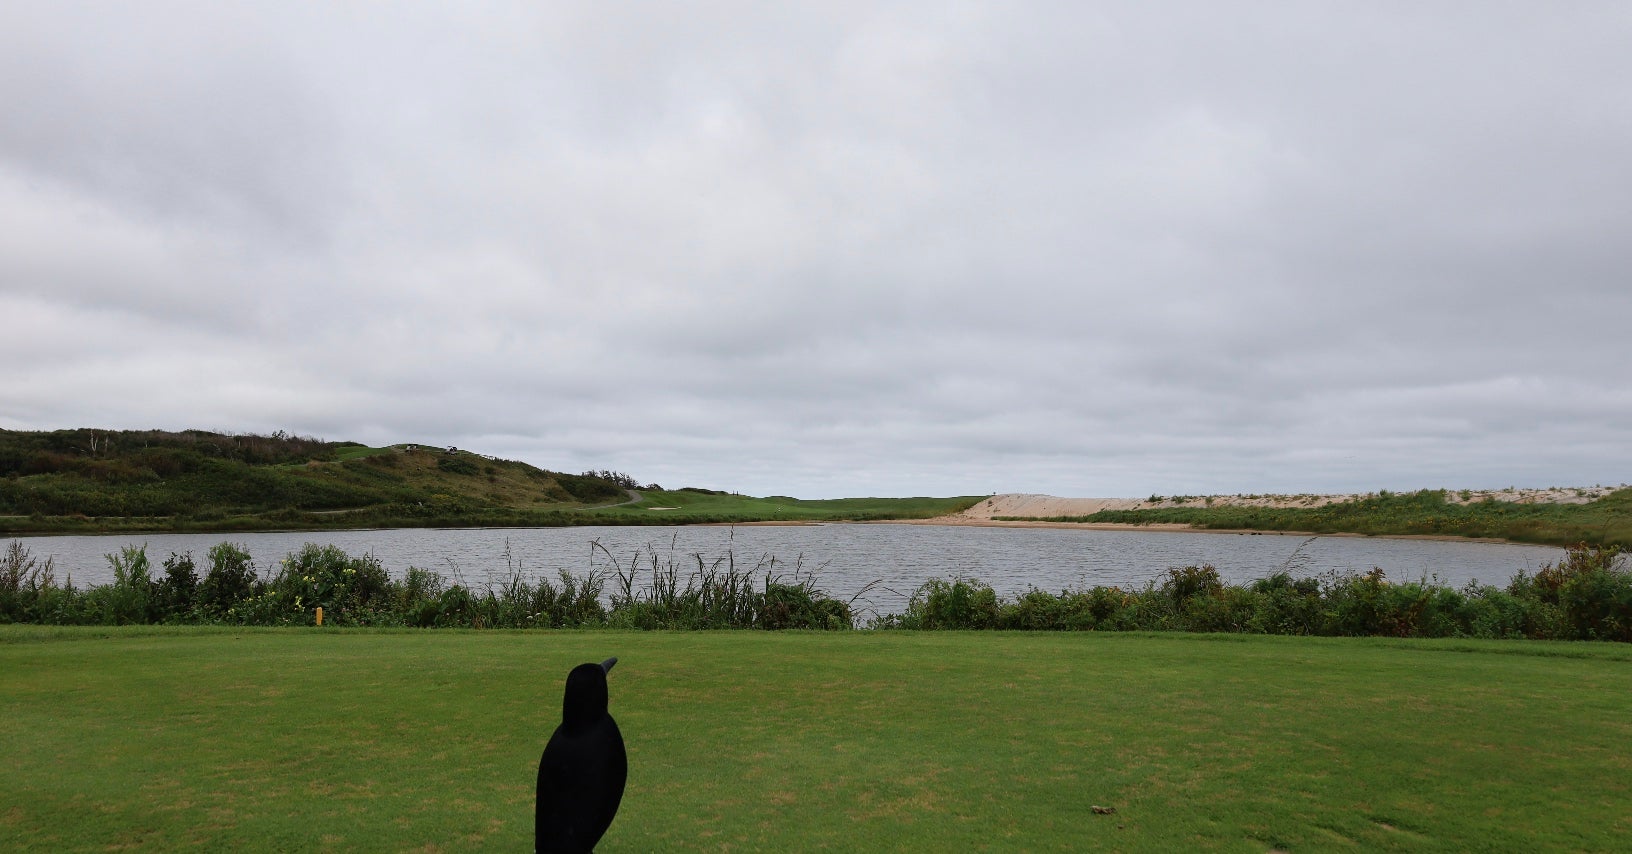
(835, 248)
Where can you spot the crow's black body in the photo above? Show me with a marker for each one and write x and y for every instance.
(583, 769)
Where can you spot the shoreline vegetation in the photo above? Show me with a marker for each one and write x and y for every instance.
(88, 481)
(1585, 596)
(1425, 513)
(185, 646)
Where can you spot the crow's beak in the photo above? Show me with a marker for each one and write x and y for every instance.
(606, 666)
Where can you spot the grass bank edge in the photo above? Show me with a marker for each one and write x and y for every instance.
(653, 509)
(1603, 521)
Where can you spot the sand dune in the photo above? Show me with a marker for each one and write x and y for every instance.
(1035, 506)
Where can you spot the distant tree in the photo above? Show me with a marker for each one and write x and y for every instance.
(614, 477)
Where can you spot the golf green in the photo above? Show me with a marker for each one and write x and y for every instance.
(261, 739)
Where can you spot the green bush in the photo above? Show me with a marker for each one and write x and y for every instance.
(23, 580)
(455, 465)
(1287, 606)
(129, 599)
(1491, 612)
(1585, 596)
(1039, 610)
(1219, 609)
(417, 598)
(230, 580)
(1593, 589)
(577, 602)
(800, 606)
(958, 604)
(1355, 605)
(349, 590)
(1186, 583)
(173, 595)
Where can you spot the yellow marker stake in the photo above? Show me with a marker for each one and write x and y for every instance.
(320, 615)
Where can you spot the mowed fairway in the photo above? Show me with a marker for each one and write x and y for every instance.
(170, 739)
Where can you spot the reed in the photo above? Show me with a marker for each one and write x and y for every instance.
(1585, 596)
(718, 593)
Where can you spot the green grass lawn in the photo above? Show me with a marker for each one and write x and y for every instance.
(684, 505)
(243, 739)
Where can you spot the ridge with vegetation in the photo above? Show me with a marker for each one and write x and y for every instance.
(90, 480)
(1606, 520)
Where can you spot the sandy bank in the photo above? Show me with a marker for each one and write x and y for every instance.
(1034, 510)
(1047, 506)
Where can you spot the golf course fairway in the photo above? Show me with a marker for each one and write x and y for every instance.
(177, 738)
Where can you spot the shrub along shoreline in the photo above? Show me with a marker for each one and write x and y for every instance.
(1585, 596)
(650, 592)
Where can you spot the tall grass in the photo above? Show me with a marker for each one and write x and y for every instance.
(351, 590)
(718, 593)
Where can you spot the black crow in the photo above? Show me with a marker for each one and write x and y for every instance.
(583, 769)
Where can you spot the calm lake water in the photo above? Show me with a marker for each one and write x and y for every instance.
(845, 558)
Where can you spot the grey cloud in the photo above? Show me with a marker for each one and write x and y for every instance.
(898, 248)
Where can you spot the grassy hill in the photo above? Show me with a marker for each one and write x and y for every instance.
(101, 480)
